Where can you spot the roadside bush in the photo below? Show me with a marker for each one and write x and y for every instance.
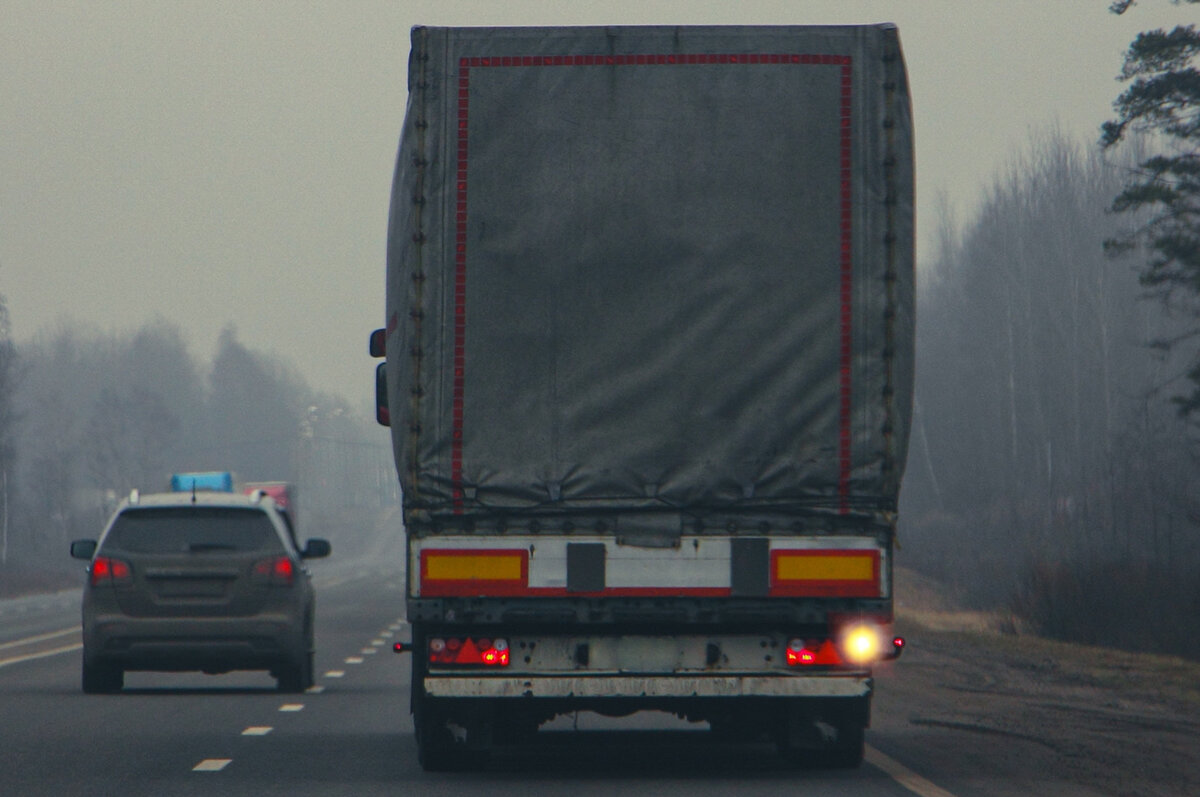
(1134, 606)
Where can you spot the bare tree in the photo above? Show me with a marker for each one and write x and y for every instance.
(1032, 362)
(8, 419)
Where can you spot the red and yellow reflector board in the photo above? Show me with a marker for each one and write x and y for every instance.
(471, 572)
(825, 573)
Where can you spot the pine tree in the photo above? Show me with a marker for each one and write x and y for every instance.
(1161, 106)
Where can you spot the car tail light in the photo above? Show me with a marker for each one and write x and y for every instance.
(106, 570)
(278, 571)
(465, 651)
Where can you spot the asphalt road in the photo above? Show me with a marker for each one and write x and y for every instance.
(183, 734)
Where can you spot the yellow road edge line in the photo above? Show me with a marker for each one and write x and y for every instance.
(42, 655)
(903, 775)
(16, 643)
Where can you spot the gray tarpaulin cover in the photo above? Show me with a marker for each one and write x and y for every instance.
(640, 267)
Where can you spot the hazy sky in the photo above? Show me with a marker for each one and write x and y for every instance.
(215, 162)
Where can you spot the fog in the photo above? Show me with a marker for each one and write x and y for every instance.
(193, 204)
(217, 162)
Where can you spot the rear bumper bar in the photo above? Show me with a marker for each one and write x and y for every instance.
(651, 687)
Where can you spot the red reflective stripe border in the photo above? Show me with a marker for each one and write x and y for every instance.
(466, 64)
(448, 587)
(825, 588)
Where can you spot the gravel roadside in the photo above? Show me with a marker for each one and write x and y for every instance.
(1048, 716)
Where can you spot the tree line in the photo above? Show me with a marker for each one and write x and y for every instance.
(87, 416)
(1050, 470)
(1055, 439)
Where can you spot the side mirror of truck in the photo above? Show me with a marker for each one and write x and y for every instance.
(83, 549)
(377, 343)
(316, 548)
(383, 415)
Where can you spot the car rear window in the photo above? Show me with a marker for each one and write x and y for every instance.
(195, 530)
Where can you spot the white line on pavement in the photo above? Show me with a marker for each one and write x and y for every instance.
(40, 655)
(16, 643)
(212, 765)
(903, 775)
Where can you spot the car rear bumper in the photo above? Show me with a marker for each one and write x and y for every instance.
(217, 644)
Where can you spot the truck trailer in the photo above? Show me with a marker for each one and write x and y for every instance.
(648, 366)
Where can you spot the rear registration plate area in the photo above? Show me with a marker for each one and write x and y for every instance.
(181, 587)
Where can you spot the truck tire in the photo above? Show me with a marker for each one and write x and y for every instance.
(824, 734)
(844, 752)
(439, 749)
(101, 679)
(847, 752)
(737, 726)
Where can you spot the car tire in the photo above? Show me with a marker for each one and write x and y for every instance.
(298, 672)
(100, 679)
(295, 674)
(294, 677)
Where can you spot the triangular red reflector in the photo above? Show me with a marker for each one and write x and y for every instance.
(468, 653)
(827, 654)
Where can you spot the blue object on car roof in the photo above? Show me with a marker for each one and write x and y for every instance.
(212, 481)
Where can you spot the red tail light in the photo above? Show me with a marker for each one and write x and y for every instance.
(812, 652)
(467, 651)
(106, 570)
(278, 571)
(497, 654)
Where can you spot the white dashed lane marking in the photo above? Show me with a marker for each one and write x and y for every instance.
(218, 764)
(212, 765)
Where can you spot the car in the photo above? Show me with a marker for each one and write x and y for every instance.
(208, 581)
